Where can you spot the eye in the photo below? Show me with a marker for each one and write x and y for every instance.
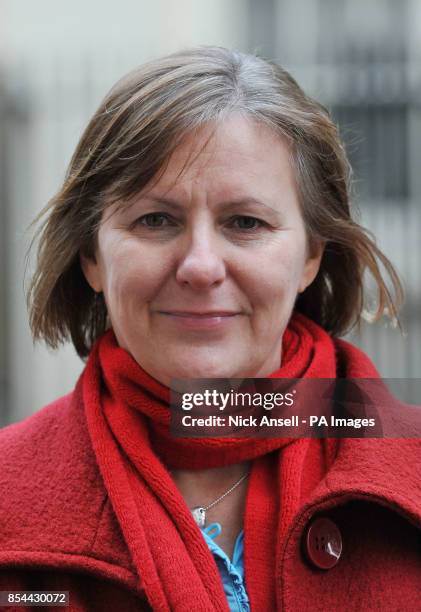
(244, 222)
(155, 220)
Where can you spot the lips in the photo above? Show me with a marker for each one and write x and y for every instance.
(208, 314)
(210, 321)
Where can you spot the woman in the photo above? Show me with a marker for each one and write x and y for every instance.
(204, 231)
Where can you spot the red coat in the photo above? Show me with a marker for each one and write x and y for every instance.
(58, 530)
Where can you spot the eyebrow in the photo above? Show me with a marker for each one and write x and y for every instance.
(230, 204)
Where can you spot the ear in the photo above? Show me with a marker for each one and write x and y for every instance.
(91, 271)
(312, 265)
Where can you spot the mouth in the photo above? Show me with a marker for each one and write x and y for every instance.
(206, 315)
(212, 320)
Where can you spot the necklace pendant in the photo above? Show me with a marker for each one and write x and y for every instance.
(199, 515)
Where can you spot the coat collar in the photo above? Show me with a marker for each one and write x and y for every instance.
(384, 471)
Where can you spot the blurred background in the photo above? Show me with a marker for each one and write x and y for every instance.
(362, 58)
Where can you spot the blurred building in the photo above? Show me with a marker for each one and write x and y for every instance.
(362, 59)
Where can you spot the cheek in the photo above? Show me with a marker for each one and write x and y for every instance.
(133, 276)
(276, 277)
(120, 279)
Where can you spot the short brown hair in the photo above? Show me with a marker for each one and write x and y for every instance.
(131, 137)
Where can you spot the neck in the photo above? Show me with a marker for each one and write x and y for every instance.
(202, 487)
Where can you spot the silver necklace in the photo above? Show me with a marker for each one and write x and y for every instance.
(199, 512)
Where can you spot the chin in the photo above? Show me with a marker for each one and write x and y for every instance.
(210, 369)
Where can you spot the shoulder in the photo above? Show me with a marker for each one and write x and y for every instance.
(39, 429)
(55, 436)
(54, 508)
(49, 484)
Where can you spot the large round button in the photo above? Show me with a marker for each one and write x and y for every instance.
(323, 543)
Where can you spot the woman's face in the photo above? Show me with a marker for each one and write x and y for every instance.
(200, 273)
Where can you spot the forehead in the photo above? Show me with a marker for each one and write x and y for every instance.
(236, 151)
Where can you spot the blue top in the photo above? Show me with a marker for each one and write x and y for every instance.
(232, 572)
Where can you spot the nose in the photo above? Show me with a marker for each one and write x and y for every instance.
(201, 264)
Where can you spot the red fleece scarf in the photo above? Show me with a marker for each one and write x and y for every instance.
(128, 421)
